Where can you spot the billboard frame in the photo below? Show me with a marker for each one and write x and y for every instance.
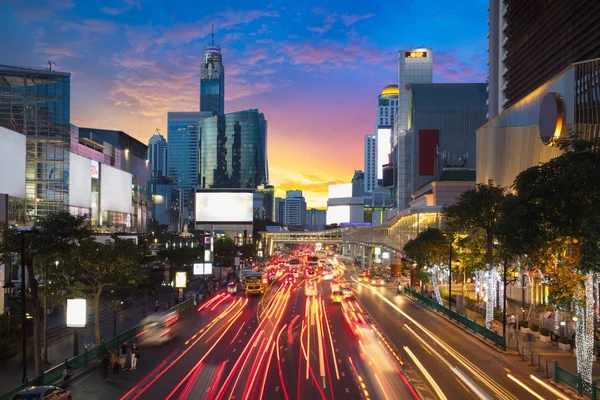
(222, 190)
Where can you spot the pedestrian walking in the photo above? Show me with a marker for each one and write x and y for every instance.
(123, 356)
(116, 360)
(135, 354)
(105, 364)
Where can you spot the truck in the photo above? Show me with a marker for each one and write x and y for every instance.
(256, 283)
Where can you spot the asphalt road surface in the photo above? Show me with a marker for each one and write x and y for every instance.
(284, 345)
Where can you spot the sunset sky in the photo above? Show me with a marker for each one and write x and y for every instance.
(314, 69)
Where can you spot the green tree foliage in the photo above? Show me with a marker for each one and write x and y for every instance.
(97, 266)
(553, 217)
(430, 247)
(477, 209)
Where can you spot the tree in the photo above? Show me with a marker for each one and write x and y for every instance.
(225, 251)
(478, 208)
(96, 267)
(429, 249)
(561, 198)
(51, 239)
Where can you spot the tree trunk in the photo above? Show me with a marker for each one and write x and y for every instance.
(489, 250)
(35, 299)
(97, 330)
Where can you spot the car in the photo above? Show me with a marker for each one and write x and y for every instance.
(363, 278)
(337, 296)
(290, 278)
(295, 272)
(42, 393)
(348, 293)
(310, 289)
(377, 281)
(231, 287)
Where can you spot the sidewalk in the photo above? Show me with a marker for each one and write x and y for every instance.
(58, 350)
(542, 352)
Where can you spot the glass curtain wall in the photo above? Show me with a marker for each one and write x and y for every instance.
(36, 102)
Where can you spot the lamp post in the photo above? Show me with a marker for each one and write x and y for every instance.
(23, 308)
(450, 276)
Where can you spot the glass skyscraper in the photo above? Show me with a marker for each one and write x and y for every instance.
(182, 155)
(36, 103)
(212, 81)
(233, 151)
(157, 154)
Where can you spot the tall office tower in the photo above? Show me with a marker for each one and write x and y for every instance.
(295, 208)
(183, 150)
(157, 154)
(414, 66)
(212, 80)
(36, 103)
(279, 210)
(532, 41)
(370, 160)
(387, 108)
(233, 151)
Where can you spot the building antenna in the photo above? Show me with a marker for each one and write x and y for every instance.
(50, 64)
(213, 34)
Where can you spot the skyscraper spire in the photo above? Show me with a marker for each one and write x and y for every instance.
(213, 34)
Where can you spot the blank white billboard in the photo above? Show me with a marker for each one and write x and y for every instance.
(115, 190)
(12, 163)
(338, 214)
(224, 207)
(384, 148)
(341, 190)
(80, 181)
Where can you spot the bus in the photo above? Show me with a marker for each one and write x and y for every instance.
(159, 328)
(256, 283)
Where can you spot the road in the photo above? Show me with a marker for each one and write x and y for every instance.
(284, 345)
(453, 364)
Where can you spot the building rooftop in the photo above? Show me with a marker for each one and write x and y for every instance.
(390, 90)
(452, 175)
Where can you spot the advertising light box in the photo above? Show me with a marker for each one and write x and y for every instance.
(76, 313)
(180, 279)
(203, 268)
(220, 207)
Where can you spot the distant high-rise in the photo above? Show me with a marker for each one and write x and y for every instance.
(387, 108)
(358, 183)
(212, 80)
(183, 150)
(233, 151)
(157, 154)
(279, 210)
(370, 160)
(295, 208)
(532, 41)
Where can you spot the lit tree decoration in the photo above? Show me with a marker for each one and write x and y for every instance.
(584, 336)
(433, 271)
(491, 278)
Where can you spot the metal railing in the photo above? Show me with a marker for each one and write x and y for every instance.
(576, 382)
(496, 338)
(82, 361)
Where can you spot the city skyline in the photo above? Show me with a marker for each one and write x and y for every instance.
(299, 65)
